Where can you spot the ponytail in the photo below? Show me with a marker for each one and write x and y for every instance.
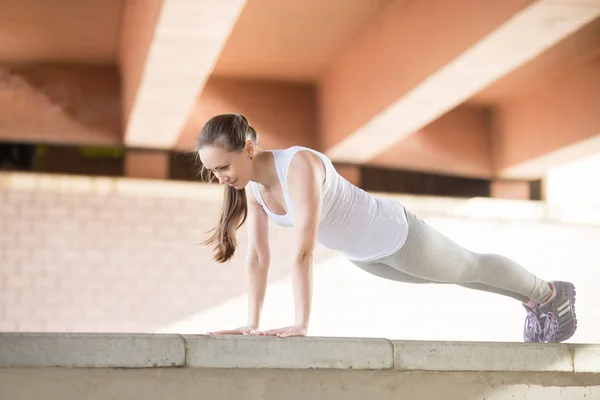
(230, 131)
(233, 216)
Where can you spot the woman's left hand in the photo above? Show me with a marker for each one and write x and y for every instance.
(293, 330)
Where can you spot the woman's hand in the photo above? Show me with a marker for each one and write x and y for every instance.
(293, 330)
(242, 330)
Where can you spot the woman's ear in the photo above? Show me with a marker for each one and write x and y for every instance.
(249, 148)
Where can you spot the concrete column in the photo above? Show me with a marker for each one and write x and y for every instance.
(147, 164)
(351, 173)
(507, 189)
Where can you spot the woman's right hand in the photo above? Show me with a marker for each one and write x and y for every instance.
(242, 330)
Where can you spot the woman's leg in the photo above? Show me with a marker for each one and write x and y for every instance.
(429, 255)
(387, 272)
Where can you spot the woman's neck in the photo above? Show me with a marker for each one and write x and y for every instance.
(263, 169)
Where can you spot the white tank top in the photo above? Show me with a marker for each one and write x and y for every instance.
(360, 226)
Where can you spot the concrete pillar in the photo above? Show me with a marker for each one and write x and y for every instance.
(507, 189)
(351, 173)
(147, 164)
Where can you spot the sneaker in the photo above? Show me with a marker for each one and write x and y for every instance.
(532, 332)
(558, 315)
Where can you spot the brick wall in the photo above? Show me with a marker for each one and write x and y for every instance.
(81, 254)
(122, 255)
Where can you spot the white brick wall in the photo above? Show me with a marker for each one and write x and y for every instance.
(106, 261)
(91, 254)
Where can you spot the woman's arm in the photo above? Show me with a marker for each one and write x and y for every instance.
(305, 180)
(257, 266)
(257, 260)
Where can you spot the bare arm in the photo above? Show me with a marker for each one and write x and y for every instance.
(305, 179)
(257, 266)
(257, 260)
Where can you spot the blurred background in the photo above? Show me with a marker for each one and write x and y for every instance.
(480, 116)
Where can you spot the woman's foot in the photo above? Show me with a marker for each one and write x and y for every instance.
(532, 332)
(555, 320)
(557, 315)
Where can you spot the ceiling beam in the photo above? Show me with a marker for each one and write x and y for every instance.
(412, 81)
(183, 48)
(557, 123)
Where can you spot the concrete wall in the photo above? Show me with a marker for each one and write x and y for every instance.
(82, 254)
(190, 367)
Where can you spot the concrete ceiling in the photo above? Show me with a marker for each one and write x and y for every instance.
(180, 42)
(556, 60)
(294, 40)
(62, 31)
(509, 35)
(396, 83)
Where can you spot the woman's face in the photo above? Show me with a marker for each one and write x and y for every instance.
(233, 168)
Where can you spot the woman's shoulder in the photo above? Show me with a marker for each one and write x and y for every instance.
(250, 190)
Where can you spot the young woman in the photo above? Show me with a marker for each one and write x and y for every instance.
(300, 188)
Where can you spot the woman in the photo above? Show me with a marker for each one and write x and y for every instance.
(300, 188)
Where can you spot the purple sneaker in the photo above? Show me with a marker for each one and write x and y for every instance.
(532, 332)
(558, 315)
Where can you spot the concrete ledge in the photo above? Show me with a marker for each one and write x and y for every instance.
(90, 350)
(232, 352)
(460, 356)
(293, 353)
(586, 358)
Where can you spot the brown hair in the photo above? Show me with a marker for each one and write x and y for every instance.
(229, 131)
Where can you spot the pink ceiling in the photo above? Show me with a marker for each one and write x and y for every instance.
(567, 54)
(291, 39)
(282, 40)
(68, 31)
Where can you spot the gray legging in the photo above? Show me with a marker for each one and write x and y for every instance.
(430, 257)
